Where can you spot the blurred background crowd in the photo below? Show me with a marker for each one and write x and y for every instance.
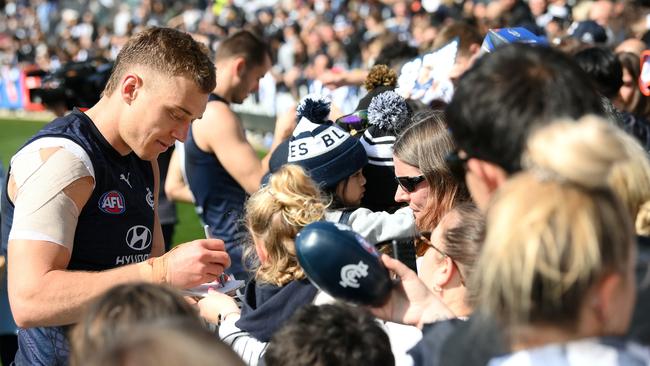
(314, 43)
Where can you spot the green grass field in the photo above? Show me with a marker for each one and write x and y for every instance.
(13, 133)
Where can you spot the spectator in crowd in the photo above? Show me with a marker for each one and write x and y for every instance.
(388, 115)
(80, 213)
(377, 121)
(425, 182)
(490, 118)
(629, 98)
(274, 216)
(469, 46)
(448, 257)
(116, 312)
(629, 179)
(334, 160)
(567, 283)
(604, 69)
(330, 335)
(165, 343)
(222, 167)
(634, 105)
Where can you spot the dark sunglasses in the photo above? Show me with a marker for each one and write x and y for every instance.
(422, 244)
(354, 122)
(409, 183)
(457, 165)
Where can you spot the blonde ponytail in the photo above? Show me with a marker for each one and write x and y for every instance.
(580, 152)
(555, 230)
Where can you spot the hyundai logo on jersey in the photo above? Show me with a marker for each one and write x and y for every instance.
(112, 202)
(343, 264)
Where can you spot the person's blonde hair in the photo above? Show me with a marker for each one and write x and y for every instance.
(275, 214)
(554, 230)
(630, 180)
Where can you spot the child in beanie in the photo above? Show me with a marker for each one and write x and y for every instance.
(388, 116)
(334, 160)
(385, 114)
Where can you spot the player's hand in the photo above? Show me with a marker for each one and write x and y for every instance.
(200, 261)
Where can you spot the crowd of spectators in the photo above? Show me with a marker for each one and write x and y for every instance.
(314, 43)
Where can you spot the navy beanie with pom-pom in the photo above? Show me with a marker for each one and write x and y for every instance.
(327, 152)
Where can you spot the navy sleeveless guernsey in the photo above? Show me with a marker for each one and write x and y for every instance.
(115, 227)
(219, 199)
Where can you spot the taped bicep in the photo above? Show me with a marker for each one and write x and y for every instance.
(50, 187)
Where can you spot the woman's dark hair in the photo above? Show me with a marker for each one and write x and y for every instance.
(331, 334)
(604, 68)
(510, 92)
(638, 104)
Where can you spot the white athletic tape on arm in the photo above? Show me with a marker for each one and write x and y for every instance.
(43, 211)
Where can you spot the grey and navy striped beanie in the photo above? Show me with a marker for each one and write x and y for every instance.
(388, 114)
(327, 152)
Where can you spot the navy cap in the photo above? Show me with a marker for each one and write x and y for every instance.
(588, 31)
(343, 264)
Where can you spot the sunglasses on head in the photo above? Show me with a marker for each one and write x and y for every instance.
(356, 121)
(457, 165)
(409, 183)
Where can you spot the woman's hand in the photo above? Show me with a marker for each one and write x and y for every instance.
(410, 301)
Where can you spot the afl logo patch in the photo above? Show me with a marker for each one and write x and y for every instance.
(112, 202)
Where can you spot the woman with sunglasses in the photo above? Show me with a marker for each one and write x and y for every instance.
(448, 255)
(425, 182)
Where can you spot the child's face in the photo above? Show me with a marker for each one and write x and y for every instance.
(351, 190)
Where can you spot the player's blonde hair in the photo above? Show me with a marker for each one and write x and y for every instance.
(165, 51)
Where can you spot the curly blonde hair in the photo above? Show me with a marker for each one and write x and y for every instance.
(380, 75)
(274, 216)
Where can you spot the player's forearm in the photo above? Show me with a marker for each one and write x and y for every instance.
(179, 194)
(61, 296)
(253, 180)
